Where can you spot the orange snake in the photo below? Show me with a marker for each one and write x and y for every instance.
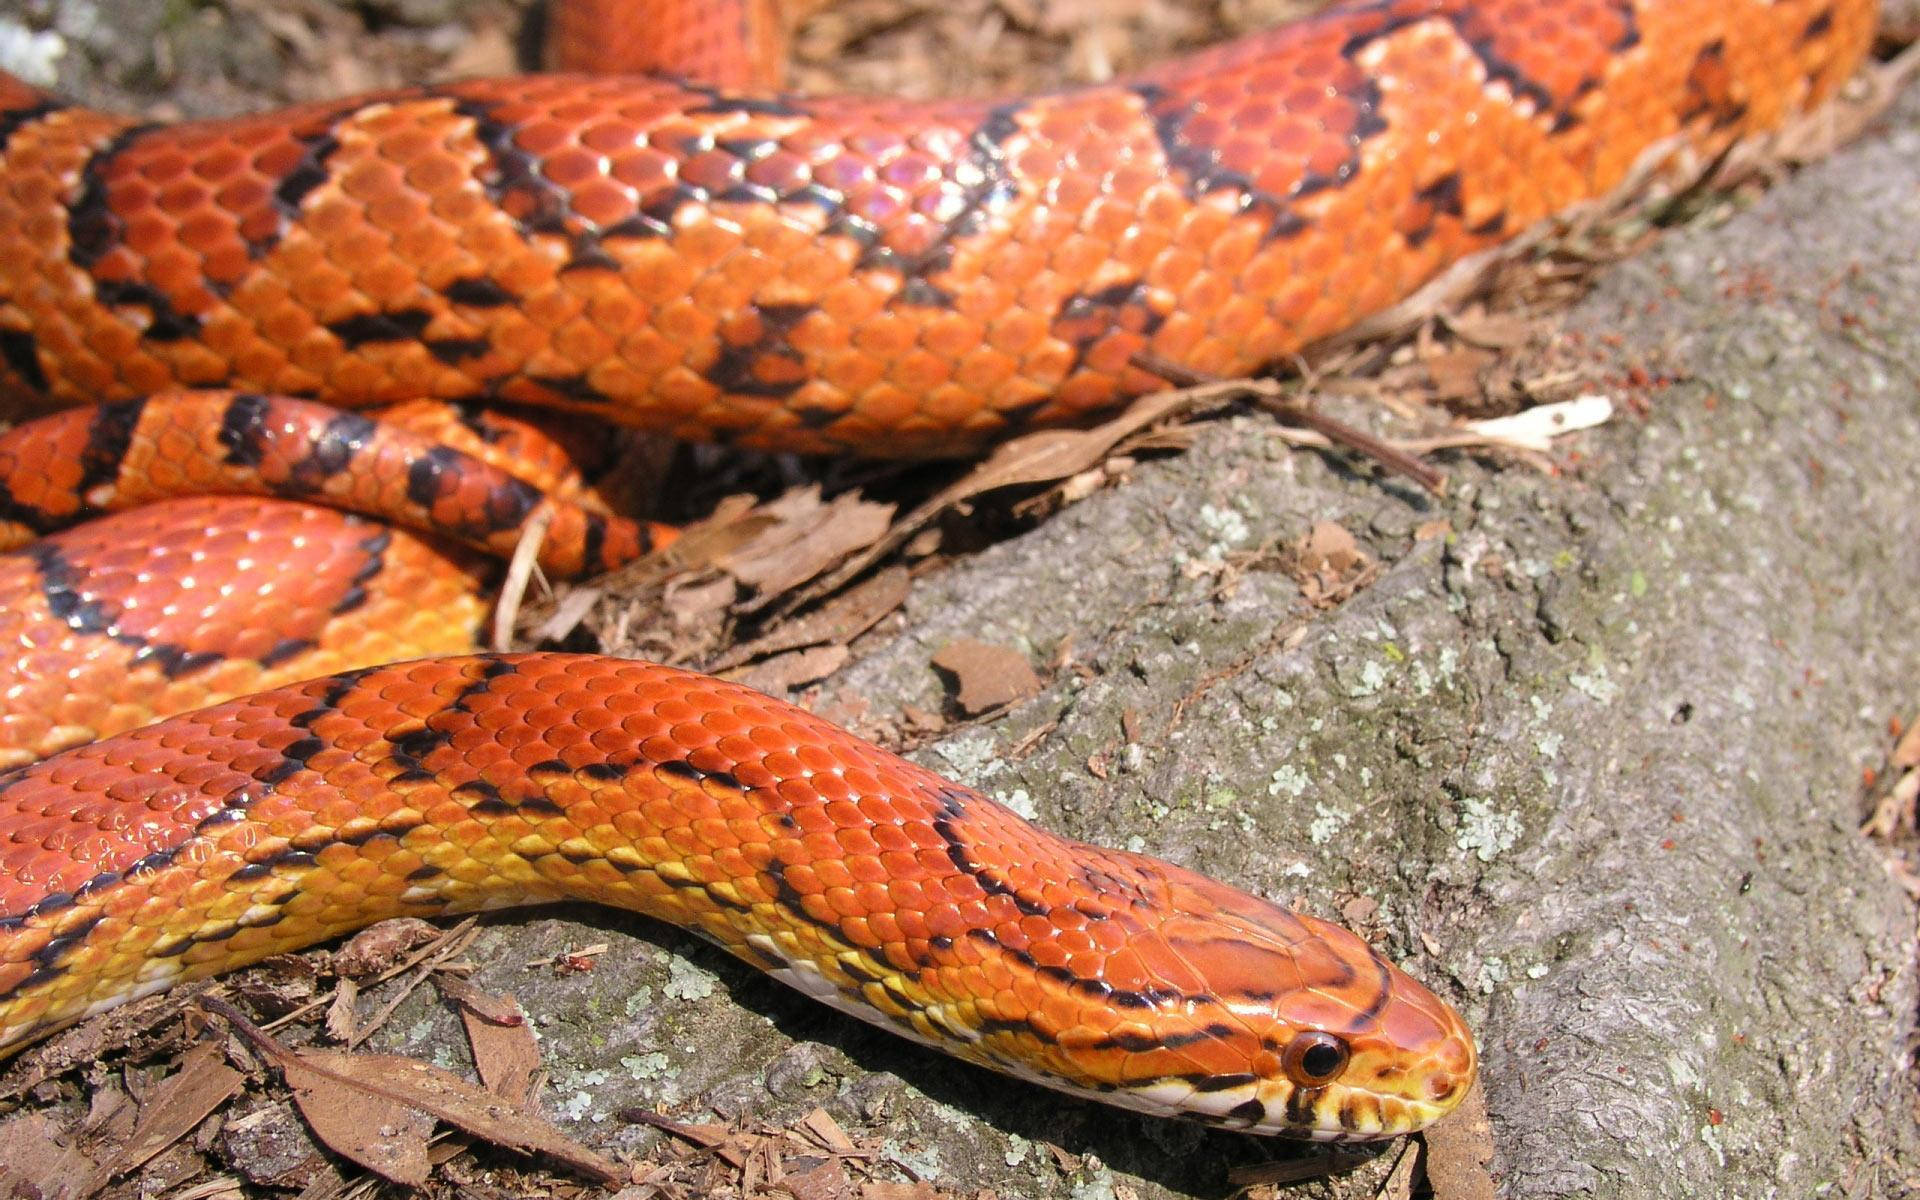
(815, 274)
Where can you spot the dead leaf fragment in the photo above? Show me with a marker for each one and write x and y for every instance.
(202, 1084)
(1042, 457)
(809, 537)
(384, 1134)
(390, 1088)
(987, 677)
(34, 1163)
(504, 1051)
(378, 947)
(379, 1109)
(796, 669)
(1329, 565)
(837, 622)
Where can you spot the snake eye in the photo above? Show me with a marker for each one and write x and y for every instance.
(1314, 1059)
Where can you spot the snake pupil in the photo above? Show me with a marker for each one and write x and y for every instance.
(1321, 1061)
(1314, 1058)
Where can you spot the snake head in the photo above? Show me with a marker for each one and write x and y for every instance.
(1263, 1020)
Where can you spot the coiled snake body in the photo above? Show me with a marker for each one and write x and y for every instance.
(814, 274)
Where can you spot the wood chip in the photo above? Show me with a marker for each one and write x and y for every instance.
(184, 1099)
(504, 1050)
(827, 1131)
(1459, 1151)
(987, 677)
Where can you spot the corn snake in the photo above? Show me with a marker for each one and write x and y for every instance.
(1098, 224)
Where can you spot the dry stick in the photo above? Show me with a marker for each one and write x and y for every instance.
(1302, 412)
(1395, 460)
(520, 569)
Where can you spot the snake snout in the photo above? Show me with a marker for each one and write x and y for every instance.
(1329, 1040)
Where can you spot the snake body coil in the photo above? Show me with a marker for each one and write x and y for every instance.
(851, 274)
(810, 274)
(221, 836)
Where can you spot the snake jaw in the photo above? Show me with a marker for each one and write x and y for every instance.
(1398, 1058)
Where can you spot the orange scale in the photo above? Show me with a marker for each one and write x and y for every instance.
(801, 879)
(834, 876)
(789, 767)
(844, 815)
(946, 920)
(661, 748)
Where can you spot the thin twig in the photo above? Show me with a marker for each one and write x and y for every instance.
(520, 569)
(1302, 412)
(1398, 461)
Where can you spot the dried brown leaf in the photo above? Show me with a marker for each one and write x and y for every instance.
(1055, 454)
(1042, 457)
(35, 1164)
(696, 599)
(1494, 331)
(986, 676)
(1455, 374)
(181, 1101)
(504, 1051)
(378, 1109)
(382, 1133)
(392, 1087)
(795, 669)
(840, 620)
(811, 537)
(1329, 545)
